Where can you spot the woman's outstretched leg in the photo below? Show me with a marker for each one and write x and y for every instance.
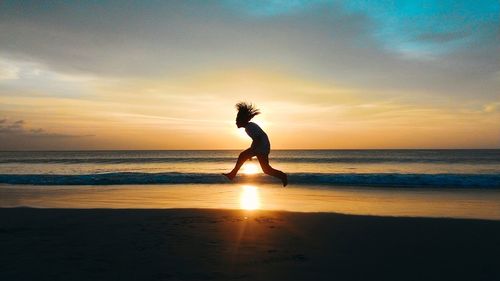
(266, 168)
(244, 156)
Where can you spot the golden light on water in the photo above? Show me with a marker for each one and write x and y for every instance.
(249, 198)
(250, 168)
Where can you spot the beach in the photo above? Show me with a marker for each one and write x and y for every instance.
(210, 244)
(171, 215)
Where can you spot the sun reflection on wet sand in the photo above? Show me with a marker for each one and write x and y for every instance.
(457, 203)
(249, 198)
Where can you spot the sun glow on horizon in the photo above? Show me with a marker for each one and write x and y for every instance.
(250, 169)
(249, 198)
(243, 134)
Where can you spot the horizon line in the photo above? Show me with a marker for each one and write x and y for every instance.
(238, 149)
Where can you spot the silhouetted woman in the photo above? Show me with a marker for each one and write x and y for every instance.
(260, 143)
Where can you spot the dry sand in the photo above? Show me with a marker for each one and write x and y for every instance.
(200, 244)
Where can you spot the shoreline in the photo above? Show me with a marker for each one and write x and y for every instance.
(416, 202)
(211, 244)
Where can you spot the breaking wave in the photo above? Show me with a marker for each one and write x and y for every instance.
(325, 179)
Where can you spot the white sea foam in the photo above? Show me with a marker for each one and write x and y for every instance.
(384, 179)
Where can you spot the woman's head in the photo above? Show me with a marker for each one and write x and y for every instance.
(246, 111)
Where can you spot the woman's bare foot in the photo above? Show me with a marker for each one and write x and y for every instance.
(285, 180)
(230, 176)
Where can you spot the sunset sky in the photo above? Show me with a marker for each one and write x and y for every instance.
(325, 74)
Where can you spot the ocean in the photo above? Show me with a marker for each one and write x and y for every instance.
(388, 168)
(423, 183)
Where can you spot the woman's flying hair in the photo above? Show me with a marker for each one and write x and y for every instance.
(246, 111)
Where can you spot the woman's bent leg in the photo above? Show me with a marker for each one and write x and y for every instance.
(244, 156)
(266, 168)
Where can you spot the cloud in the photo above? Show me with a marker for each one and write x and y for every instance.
(441, 37)
(37, 79)
(8, 71)
(492, 107)
(17, 135)
(429, 26)
(18, 128)
(260, 8)
(332, 41)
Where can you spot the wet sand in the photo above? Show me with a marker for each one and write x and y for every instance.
(376, 201)
(208, 244)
